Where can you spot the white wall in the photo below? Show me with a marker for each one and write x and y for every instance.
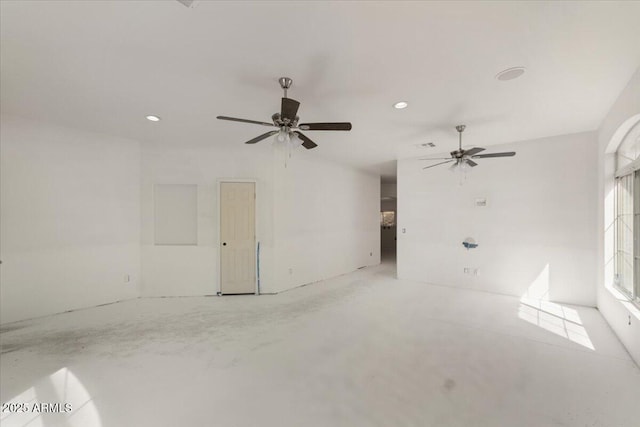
(193, 270)
(77, 218)
(537, 231)
(613, 305)
(326, 220)
(314, 217)
(70, 219)
(389, 189)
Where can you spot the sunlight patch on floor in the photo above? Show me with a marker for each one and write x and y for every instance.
(555, 318)
(58, 399)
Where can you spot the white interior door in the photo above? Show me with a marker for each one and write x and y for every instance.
(237, 237)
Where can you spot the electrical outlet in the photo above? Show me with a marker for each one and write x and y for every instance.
(467, 270)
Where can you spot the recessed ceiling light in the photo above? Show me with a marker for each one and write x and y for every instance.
(153, 118)
(510, 73)
(400, 105)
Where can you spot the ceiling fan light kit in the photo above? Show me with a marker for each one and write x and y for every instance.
(288, 132)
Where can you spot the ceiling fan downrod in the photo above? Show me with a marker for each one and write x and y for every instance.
(460, 129)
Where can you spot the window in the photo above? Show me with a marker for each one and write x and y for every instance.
(387, 219)
(626, 195)
(627, 217)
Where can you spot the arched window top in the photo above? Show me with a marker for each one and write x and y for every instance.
(621, 132)
(628, 151)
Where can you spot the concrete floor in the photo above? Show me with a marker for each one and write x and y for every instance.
(363, 349)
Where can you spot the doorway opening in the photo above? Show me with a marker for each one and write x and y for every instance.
(237, 210)
(388, 220)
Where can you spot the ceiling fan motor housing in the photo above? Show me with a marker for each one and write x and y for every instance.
(457, 154)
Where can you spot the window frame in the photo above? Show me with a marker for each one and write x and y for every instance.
(633, 293)
(635, 297)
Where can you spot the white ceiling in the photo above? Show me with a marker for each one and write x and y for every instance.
(104, 65)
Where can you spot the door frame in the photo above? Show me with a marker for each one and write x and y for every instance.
(219, 183)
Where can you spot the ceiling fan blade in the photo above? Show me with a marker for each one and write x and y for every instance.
(188, 3)
(233, 119)
(325, 126)
(485, 156)
(436, 158)
(472, 151)
(261, 137)
(306, 142)
(289, 109)
(441, 163)
(471, 163)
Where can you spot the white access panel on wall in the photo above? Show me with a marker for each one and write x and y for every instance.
(176, 214)
(237, 238)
